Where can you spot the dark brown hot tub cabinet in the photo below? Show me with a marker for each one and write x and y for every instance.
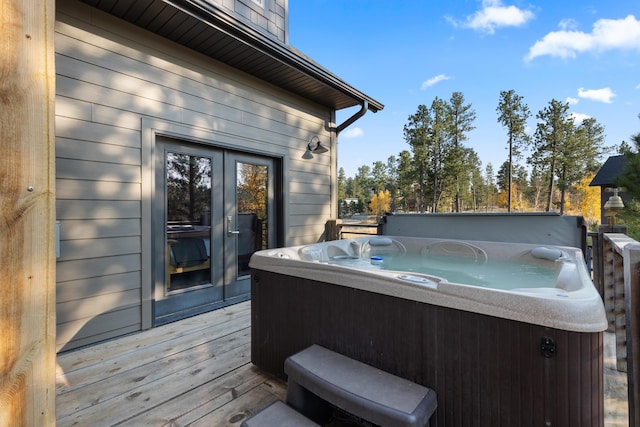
(486, 371)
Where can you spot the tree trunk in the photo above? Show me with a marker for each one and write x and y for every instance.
(27, 217)
(562, 192)
(510, 173)
(552, 169)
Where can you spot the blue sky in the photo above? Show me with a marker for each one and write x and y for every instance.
(404, 53)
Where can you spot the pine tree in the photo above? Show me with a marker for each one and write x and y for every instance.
(513, 115)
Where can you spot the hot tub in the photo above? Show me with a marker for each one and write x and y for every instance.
(505, 333)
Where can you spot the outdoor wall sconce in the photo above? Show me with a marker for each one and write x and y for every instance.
(315, 146)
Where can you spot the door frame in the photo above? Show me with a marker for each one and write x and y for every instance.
(232, 281)
(151, 130)
(192, 300)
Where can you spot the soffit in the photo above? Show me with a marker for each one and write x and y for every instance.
(200, 26)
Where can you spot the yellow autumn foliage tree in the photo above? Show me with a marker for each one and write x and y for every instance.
(518, 204)
(380, 203)
(588, 199)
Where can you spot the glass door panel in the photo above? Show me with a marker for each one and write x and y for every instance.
(250, 217)
(188, 221)
(187, 216)
(212, 209)
(252, 199)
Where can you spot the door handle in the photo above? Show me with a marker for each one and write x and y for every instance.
(229, 230)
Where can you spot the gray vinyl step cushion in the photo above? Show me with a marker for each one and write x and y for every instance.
(357, 388)
(280, 415)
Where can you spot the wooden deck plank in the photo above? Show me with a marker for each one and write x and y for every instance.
(146, 398)
(234, 413)
(196, 403)
(197, 372)
(209, 361)
(97, 354)
(150, 353)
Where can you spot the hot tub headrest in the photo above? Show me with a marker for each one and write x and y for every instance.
(547, 253)
(380, 241)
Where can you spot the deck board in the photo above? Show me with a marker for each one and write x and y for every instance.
(197, 372)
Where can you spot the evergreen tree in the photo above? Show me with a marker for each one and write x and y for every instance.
(406, 180)
(630, 180)
(552, 131)
(416, 133)
(342, 184)
(490, 186)
(379, 177)
(461, 117)
(392, 181)
(474, 181)
(513, 115)
(440, 144)
(363, 185)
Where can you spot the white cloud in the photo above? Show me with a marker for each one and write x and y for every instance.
(579, 117)
(607, 34)
(434, 80)
(572, 101)
(352, 133)
(493, 15)
(601, 95)
(638, 87)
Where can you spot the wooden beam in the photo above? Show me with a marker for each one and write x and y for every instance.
(27, 213)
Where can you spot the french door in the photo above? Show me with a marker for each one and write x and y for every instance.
(213, 208)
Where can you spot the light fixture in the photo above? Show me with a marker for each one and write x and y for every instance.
(613, 205)
(315, 146)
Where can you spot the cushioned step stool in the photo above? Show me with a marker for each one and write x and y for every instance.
(319, 377)
(278, 414)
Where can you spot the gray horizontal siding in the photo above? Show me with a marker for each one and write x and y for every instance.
(98, 171)
(95, 286)
(96, 190)
(111, 77)
(97, 267)
(103, 303)
(69, 209)
(73, 229)
(98, 248)
(85, 331)
(96, 152)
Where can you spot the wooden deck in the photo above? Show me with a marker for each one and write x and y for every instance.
(197, 372)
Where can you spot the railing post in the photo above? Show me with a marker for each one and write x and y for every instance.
(631, 256)
(27, 212)
(603, 269)
(597, 261)
(332, 228)
(608, 283)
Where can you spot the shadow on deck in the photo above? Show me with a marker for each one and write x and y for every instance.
(197, 372)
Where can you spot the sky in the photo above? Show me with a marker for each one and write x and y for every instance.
(405, 53)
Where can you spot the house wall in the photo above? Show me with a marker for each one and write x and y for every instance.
(270, 16)
(114, 83)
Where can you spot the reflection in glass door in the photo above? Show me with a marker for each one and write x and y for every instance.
(251, 196)
(188, 221)
(212, 210)
(188, 203)
(250, 217)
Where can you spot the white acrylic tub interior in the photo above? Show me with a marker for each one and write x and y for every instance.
(567, 301)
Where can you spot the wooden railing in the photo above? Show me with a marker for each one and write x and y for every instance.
(617, 275)
(335, 229)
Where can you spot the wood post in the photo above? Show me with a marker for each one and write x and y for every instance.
(631, 256)
(27, 213)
